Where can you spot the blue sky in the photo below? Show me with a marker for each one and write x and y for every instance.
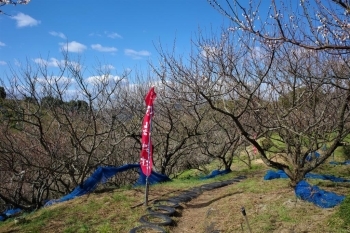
(120, 34)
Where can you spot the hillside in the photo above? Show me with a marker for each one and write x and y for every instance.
(271, 206)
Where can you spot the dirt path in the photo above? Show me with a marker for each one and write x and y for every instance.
(198, 214)
(277, 211)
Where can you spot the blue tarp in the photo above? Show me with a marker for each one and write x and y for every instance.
(312, 155)
(347, 162)
(216, 173)
(326, 177)
(154, 178)
(319, 197)
(102, 174)
(270, 175)
(310, 193)
(9, 213)
(281, 174)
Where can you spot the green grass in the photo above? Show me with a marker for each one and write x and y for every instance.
(268, 203)
(341, 220)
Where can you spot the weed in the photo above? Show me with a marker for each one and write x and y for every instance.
(344, 213)
(104, 228)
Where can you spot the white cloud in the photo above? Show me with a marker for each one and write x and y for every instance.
(102, 79)
(56, 80)
(136, 54)
(2, 44)
(58, 34)
(75, 65)
(100, 48)
(74, 47)
(52, 62)
(113, 35)
(95, 34)
(3, 63)
(108, 67)
(25, 20)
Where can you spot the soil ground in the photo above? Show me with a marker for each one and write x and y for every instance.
(277, 211)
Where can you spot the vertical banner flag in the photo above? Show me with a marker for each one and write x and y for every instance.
(146, 143)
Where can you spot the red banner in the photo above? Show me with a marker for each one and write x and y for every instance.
(146, 142)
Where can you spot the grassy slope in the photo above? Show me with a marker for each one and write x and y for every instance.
(271, 207)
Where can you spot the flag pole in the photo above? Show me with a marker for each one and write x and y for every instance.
(146, 192)
(246, 218)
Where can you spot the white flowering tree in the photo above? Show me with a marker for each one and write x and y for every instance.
(311, 24)
(286, 97)
(305, 87)
(12, 2)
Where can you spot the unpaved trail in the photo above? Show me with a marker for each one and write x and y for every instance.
(277, 211)
(199, 215)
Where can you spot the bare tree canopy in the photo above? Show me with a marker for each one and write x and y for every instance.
(2, 93)
(296, 100)
(312, 24)
(11, 2)
(56, 130)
